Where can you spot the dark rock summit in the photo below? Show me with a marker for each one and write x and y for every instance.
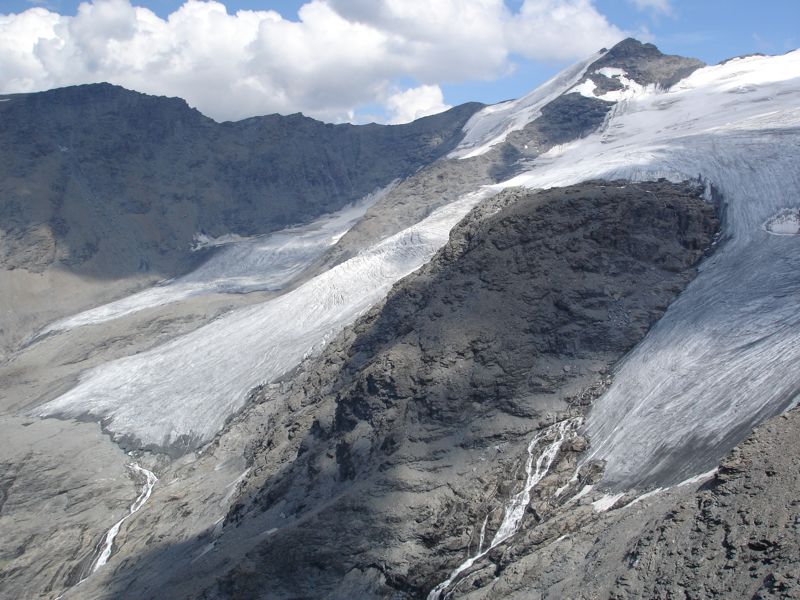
(646, 64)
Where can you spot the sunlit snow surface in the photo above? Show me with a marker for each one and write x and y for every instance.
(186, 388)
(241, 265)
(724, 357)
(491, 125)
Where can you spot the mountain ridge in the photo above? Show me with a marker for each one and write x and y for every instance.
(539, 332)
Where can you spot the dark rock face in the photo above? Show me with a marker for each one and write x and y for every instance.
(105, 181)
(645, 64)
(563, 120)
(372, 469)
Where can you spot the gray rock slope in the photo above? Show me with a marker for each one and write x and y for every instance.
(733, 536)
(106, 181)
(369, 471)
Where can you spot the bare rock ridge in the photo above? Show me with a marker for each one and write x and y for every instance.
(371, 467)
(105, 181)
(646, 64)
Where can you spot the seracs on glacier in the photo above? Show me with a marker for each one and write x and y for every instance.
(720, 360)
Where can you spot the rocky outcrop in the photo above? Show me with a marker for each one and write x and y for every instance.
(645, 64)
(369, 472)
(515, 323)
(733, 535)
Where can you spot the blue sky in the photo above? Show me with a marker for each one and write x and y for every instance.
(711, 30)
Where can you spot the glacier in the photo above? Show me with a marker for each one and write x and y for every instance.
(723, 358)
(720, 360)
(240, 265)
(180, 394)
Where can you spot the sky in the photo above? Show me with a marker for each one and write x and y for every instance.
(388, 61)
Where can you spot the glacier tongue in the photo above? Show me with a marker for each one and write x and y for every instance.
(724, 356)
(183, 391)
(265, 262)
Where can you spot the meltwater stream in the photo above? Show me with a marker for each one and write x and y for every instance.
(536, 467)
(147, 489)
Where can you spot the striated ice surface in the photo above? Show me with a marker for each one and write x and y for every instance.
(183, 391)
(724, 356)
(241, 265)
(491, 125)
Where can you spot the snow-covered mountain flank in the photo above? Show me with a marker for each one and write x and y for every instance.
(507, 351)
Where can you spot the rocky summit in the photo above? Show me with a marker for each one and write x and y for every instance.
(540, 349)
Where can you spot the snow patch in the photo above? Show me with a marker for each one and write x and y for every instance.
(606, 502)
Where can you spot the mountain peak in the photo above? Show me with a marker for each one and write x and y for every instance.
(646, 64)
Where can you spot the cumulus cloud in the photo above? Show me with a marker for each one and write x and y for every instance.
(414, 103)
(337, 57)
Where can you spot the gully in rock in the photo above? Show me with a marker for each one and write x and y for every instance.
(515, 508)
(147, 489)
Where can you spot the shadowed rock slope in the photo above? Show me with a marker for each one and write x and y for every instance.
(369, 472)
(108, 182)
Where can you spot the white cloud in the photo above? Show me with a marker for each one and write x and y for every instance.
(658, 6)
(560, 30)
(414, 103)
(338, 56)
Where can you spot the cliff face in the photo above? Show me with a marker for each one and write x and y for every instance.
(108, 182)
